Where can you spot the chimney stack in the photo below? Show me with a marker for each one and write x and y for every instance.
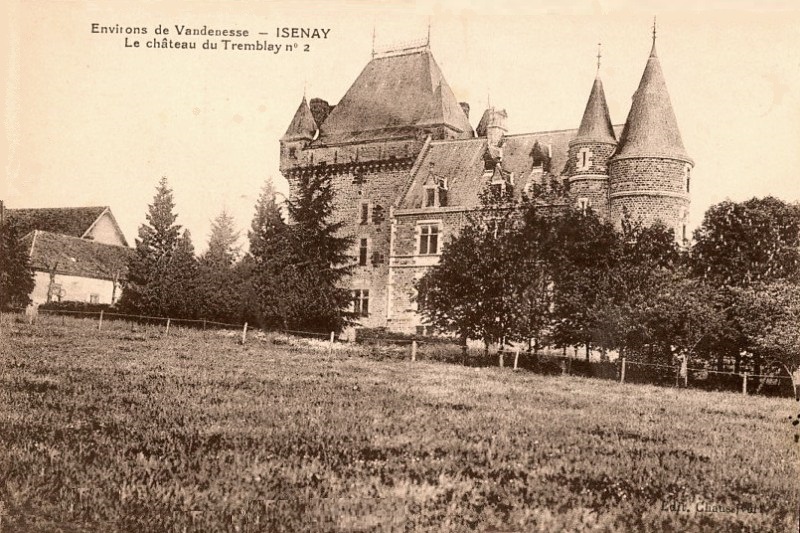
(319, 110)
(496, 128)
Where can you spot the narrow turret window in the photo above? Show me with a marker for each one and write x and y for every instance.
(584, 161)
(687, 173)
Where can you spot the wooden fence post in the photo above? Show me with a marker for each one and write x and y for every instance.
(501, 358)
(100, 323)
(564, 366)
(622, 372)
(330, 346)
(685, 371)
(744, 383)
(413, 350)
(244, 333)
(516, 357)
(166, 332)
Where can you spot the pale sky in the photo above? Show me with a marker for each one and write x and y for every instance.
(91, 122)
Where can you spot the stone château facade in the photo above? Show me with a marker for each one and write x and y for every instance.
(407, 167)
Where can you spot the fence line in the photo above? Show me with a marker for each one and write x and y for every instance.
(620, 363)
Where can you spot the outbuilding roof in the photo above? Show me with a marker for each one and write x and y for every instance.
(73, 221)
(73, 256)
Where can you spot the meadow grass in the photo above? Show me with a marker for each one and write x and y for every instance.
(121, 430)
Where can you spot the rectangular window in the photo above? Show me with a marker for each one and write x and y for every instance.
(363, 252)
(583, 204)
(361, 302)
(363, 214)
(94, 298)
(428, 239)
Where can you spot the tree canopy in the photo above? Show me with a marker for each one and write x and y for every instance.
(16, 275)
(161, 271)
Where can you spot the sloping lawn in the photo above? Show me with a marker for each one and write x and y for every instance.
(128, 431)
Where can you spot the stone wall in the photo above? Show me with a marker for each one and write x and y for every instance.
(376, 179)
(590, 183)
(649, 189)
(407, 265)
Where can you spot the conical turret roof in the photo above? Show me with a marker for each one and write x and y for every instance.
(651, 129)
(596, 122)
(303, 125)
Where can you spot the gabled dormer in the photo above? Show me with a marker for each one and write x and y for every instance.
(435, 189)
(501, 182)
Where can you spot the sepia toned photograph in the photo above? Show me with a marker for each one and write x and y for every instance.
(436, 266)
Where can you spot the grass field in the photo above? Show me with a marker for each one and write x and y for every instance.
(127, 431)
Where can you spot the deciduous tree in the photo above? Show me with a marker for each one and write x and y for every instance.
(748, 242)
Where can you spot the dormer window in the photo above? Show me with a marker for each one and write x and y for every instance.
(430, 196)
(435, 191)
(489, 162)
(502, 182)
(584, 159)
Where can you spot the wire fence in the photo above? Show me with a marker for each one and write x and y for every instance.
(442, 349)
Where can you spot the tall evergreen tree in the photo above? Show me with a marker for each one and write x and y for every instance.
(223, 243)
(268, 238)
(218, 286)
(16, 276)
(319, 260)
(152, 270)
(181, 279)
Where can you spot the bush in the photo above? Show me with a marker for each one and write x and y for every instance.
(70, 306)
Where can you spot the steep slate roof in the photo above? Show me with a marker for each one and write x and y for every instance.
(77, 257)
(391, 97)
(74, 221)
(651, 128)
(461, 162)
(303, 125)
(596, 122)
